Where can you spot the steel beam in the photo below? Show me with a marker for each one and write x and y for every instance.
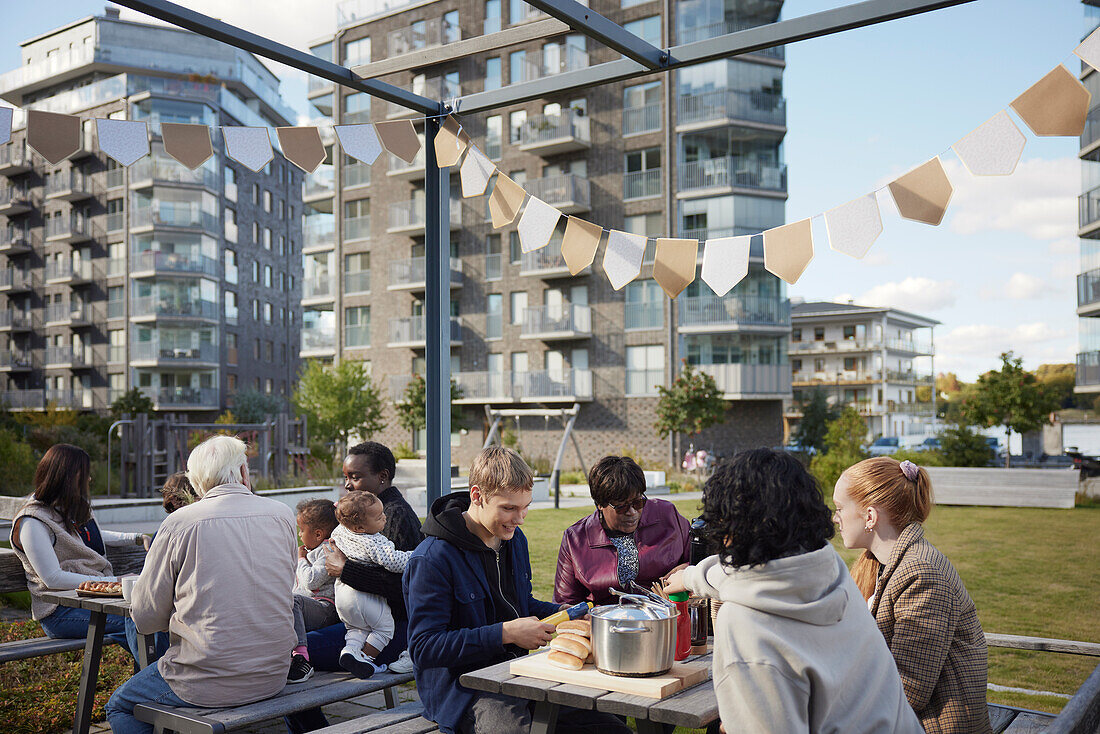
(731, 44)
(437, 316)
(204, 25)
(587, 21)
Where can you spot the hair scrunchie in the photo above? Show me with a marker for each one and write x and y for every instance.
(910, 470)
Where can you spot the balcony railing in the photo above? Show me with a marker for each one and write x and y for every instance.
(57, 313)
(72, 399)
(116, 221)
(747, 380)
(645, 315)
(16, 360)
(72, 229)
(641, 119)
(18, 240)
(539, 66)
(1088, 207)
(569, 320)
(541, 130)
(1088, 368)
(409, 215)
(411, 273)
(68, 270)
(13, 319)
(23, 399)
(494, 266)
(318, 339)
(182, 397)
(71, 185)
(1091, 133)
(323, 286)
(357, 228)
(15, 158)
(701, 312)
(1088, 287)
(144, 306)
(17, 280)
(357, 282)
(915, 378)
(114, 177)
(67, 355)
(319, 231)
(173, 262)
(409, 331)
(150, 170)
(401, 168)
(167, 216)
(727, 105)
(705, 233)
(642, 184)
(543, 261)
(842, 345)
(731, 172)
(153, 351)
(16, 200)
(357, 335)
(116, 353)
(568, 191)
(564, 384)
(425, 34)
(908, 345)
(484, 386)
(356, 174)
(693, 33)
(320, 183)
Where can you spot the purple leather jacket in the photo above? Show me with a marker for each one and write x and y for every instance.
(588, 564)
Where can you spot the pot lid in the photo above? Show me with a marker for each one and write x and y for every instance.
(630, 610)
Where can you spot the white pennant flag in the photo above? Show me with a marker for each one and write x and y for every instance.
(725, 263)
(854, 227)
(622, 260)
(536, 224)
(993, 149)
(475, 172)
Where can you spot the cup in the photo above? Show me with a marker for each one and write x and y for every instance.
(128, 586)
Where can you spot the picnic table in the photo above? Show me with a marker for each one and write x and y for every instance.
(99, 607)
(695, 707)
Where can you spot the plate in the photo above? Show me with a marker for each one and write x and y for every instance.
(104, 594)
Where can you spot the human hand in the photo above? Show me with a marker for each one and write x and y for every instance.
(674, 582)
(527, 632)
(146, 541)
(334, 562)
(302, 551)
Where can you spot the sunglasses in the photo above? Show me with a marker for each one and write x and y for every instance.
(637, 504)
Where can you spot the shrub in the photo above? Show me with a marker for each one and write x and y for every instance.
(573, 477)
(921, 458)
(843, 439)
(402, 451)
(963, 447)
(19, 464)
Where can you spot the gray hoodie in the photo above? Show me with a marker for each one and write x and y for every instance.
(795, 649)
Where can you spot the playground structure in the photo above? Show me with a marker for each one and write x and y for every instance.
(568, 417)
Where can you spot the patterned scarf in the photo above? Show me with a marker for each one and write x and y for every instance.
(627, 552)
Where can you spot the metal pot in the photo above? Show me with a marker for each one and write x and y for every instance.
(635, 638)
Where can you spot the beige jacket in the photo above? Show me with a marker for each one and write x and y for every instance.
(219, 577)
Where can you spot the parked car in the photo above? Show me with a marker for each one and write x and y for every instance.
(929, 444)
(994, 443)
(884, 446)
(796, 448)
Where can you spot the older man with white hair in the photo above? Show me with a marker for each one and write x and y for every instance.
(219, 578)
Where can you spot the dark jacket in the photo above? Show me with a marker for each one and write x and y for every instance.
(403, 529)
(459, 593)
(588, 563)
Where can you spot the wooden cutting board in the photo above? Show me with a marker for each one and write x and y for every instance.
(680, 676)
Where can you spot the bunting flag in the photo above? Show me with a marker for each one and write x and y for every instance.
(5, 124)
(189, 144)
(788, 250)
(302, 146)
(1089, 49)
(923, 194)
(622, 258)
(579, 245)
(674, 264)
(993, 149)
(537, 224)
(360, 142)
(126, 141)
(54, 136)
(1057, 104)
(854, 227)
(249, 146)
(505, 201)
(725, 263)
(475, 172)
(400, 138)
(450, 143)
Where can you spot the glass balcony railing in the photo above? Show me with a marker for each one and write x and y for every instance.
(357, 228)
(182, 397)
(693, 33)
(563, 384)
(411, 272)
(319, 231)
(409, 215)
(319, 287)
(409, 331)
(320, 183)
(568, 190)
(23, 399)
(642, 184)
(149, 171)
(169, 216)
(555, 59)
(730, 105)
(1088, 288)
(357, 335)
(1091, 133)
(568, 320)
(356, 174)
(733, 311)
(154, 351)
(731, 172)
(116, 353)
(423, 34)
(401, 168)
(645, 315)
(1089, 207)
(156, 306)
(540, 130)
(1088, 368)
(357, 282)
(174, 262)
(315, 339)
(641, 119)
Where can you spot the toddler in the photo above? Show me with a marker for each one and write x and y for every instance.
(367, 616)
(314, 595)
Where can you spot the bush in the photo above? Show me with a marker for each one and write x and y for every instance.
(573, 477)
(402, 451)
(921, 458)
(19, 464)
(963, 447)
(843, 440)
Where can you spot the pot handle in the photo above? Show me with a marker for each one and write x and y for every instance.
(629, 630)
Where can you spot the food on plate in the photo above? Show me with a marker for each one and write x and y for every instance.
(572, 644)
(580, 627)
(565, 660)
(101, 587)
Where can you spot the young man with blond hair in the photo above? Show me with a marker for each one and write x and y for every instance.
(468, 592)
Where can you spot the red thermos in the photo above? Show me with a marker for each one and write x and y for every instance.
(683, 624)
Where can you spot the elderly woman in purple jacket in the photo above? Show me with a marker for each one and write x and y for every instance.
(628, 538)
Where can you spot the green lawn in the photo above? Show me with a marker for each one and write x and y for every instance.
(1030, 572)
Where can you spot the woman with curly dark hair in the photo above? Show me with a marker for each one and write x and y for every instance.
(794, 647)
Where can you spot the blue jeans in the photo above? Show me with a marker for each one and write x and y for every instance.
(147, 686)
(67, 623)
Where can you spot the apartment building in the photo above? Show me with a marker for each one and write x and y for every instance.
(698, 153)
(872, 359)
(1088, 279)
(182, 283)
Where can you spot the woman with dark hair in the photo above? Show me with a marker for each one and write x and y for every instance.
(60, 545)
(794, 647)
(628, 538)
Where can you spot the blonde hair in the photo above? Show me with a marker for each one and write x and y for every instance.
(217, 460)
(879, 481)
(500, 469)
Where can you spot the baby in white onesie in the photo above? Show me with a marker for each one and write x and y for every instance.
(366, 616)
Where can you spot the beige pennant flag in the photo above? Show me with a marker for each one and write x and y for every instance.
(923, 194)
(1057, 104)
(189, 144)
(788, 250)
(399, 137)
(302, 146)
(674, 264)
(54, 136)
(505, 201)
(450, 143)
(579, 245)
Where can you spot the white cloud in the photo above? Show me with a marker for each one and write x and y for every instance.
(973, 349)
(912, 294)
(1020, 287)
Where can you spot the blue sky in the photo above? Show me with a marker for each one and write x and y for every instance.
(864, 107)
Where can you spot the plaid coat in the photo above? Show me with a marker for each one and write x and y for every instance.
(932, 628)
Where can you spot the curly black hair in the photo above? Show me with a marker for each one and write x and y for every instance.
(379, 457)
(614, 480)
(764, 505)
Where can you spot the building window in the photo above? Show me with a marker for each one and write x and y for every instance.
(647, 29)
(796, 365)
(645, 306)
(494, 326)
(357, 326)
(851, 364)
(230, 183)
(645, 224)
(230, 266)
(231, 348)
(357, 273)
(518, 305)
(230, 307)
(231, 382)
(256, 356)
(269, 351)
(796, 335)
(230, 225)
(642, 173)
(267, 239)
(357, 52)
(452, 31)
(645, 369)
(819, 365)
(256, 194)
(849, 333)
(493, 134)
(267, 201)
(516, 121)
(255, 233)
(492, 17)
(269, 385)
(267, 276)
(255, 271)
(819, 333)
(356, 108)
(517, 67)
(255, 312)
(515, 250)
(493, 72)
(494, 269)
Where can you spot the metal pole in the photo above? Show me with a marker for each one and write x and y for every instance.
(109, 432)
(437, 327)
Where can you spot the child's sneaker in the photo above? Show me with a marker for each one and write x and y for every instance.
(403, 664)
(358, 663)
(301, 669)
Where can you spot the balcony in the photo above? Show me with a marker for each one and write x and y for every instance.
(552, 323)
(319, 288)
(564, 385)
(116, 353)
(733, 313)
(356, 174)
(152, 262)
(23, 399)
(409, 332)
(638, 120)
(1091, 134)
(568, 193)
(402, 170)
(319, 186)
(148, 308)
(693, 33)
(16, 361)
(357, 282)
(318, 341)
(908, 378)
(70, 399)
(71, 185)
(14, 320)
(545, 262)
(642, 184)
(844, 345)
(555, 59)
(182, 398)
(751, 381)
(1088, 293)
(729, 173)
(410, 274)
(17, 281)
(72, 229)
(15, 158)
(1088, 372)
(644, 315)
(836, 378)
(68, 357)
(705, 233)
(553, 134)
(18, 241)
(74, 314)
(151, 354)
(73, 273)
(477, 387)
(150, 171)
(408, 216)
(908, 346)
(423, 34)
(357, 336)
(16, 200)
(357, 228)
(1088, 211)
(730, 106)
(319, 233)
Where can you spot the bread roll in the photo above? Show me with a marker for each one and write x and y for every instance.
(572, 644)
(580, 627)
(565, 660)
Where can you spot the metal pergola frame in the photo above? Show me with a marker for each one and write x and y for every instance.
(640, 58)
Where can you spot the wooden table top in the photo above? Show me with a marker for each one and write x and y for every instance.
(110, 605)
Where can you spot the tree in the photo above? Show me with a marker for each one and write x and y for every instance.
(1010, 397)
(338, 401)
(131, 402)
(412, 411)
(844, 439)
(816, 415)
(963, 447)
(693, 404)
(253, 406)
(19, 464)
(1059, 380)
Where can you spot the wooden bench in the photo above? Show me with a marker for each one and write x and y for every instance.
(322, 689)
(405, 719)
(1004, 487)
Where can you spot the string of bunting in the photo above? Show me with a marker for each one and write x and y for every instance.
(1056, 105)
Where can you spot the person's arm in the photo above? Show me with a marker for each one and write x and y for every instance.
(403, 527)
(312, 574)
(926, 615)
(37, 542)
(567, 588)
(154, 594)
(112, 537)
